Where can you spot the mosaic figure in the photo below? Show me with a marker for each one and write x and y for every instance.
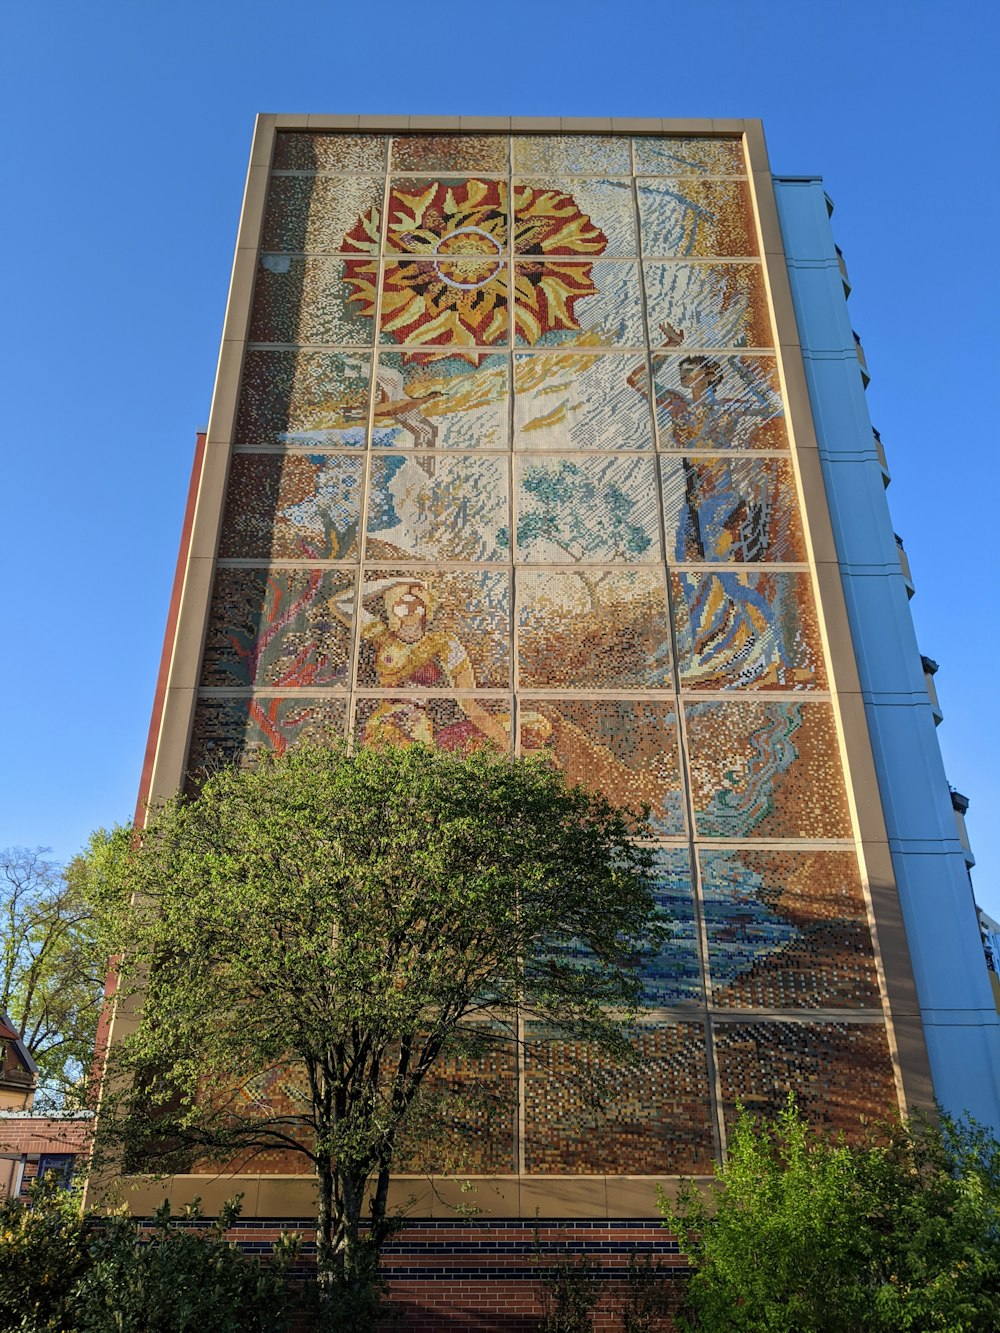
(409, 654)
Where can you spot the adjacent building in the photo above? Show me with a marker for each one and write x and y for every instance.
(553, 434)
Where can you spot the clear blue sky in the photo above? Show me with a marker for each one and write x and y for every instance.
(126, 133)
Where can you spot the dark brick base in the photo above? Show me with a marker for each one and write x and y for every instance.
(489, 1276)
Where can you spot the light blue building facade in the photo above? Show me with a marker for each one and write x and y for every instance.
(926, 836)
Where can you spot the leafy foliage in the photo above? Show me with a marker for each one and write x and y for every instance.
(310, 937)
(43, 1254)
(177, 1280)
(806, 1233)
(63, 1272)
(52, 969)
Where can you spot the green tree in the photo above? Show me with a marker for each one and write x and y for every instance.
(52, 968)
(337, 924)
(808, 1234)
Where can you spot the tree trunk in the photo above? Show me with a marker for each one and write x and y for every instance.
(328, 1262)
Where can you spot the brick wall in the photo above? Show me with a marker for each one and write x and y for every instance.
(487, 1276)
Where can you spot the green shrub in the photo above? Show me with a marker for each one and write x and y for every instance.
(63, 1273)
(177, 1280)
(806, 1233)
(43, 1254)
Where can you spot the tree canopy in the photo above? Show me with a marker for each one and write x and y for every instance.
(808, 1233)
(309, 937)
(52, 968)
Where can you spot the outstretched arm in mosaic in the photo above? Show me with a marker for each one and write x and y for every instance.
(309, 939)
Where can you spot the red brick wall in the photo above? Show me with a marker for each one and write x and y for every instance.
(486, 1276)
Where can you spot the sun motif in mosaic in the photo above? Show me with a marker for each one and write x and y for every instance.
(455, 290)
(443, 219)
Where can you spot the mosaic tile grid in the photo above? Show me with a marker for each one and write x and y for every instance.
(293, 506)
(302, 398)
(586, 510)
(437, 631)
(478, 352)
(717, 402)
(575, 400)
(596, 629)
(233, 730)
(290, 629)
(438, 507)
(839, 1072)
(447, 217)
(439, 401)
(459, 724)
(746, 629)
(706, 305)
(464, 1122)
(766, 769)
(683, 155)
(731, 510)
(696, 218)
(672, 976)
(588, 154)
(559, 302)
(310, 300)
(443, 302)
(654, 1117)
(298, 151)
(314, 213)
(787, 930)
(574, 217)
(625, 748)
(450, 152)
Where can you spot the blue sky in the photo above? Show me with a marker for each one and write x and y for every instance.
(127, 130)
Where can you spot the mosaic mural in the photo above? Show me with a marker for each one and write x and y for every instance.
(584, 1118)
(746, 630)
(511, 468)
(839, 1072)
(766, 769)
(787, 930)
(593, 629)
(292, 507)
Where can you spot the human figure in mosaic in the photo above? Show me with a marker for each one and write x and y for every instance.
(410, 654)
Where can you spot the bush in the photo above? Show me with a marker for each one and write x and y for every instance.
(43, 1254)
(63, 1273)
(808, 1233)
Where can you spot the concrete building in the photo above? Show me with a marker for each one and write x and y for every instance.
(554, 434)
